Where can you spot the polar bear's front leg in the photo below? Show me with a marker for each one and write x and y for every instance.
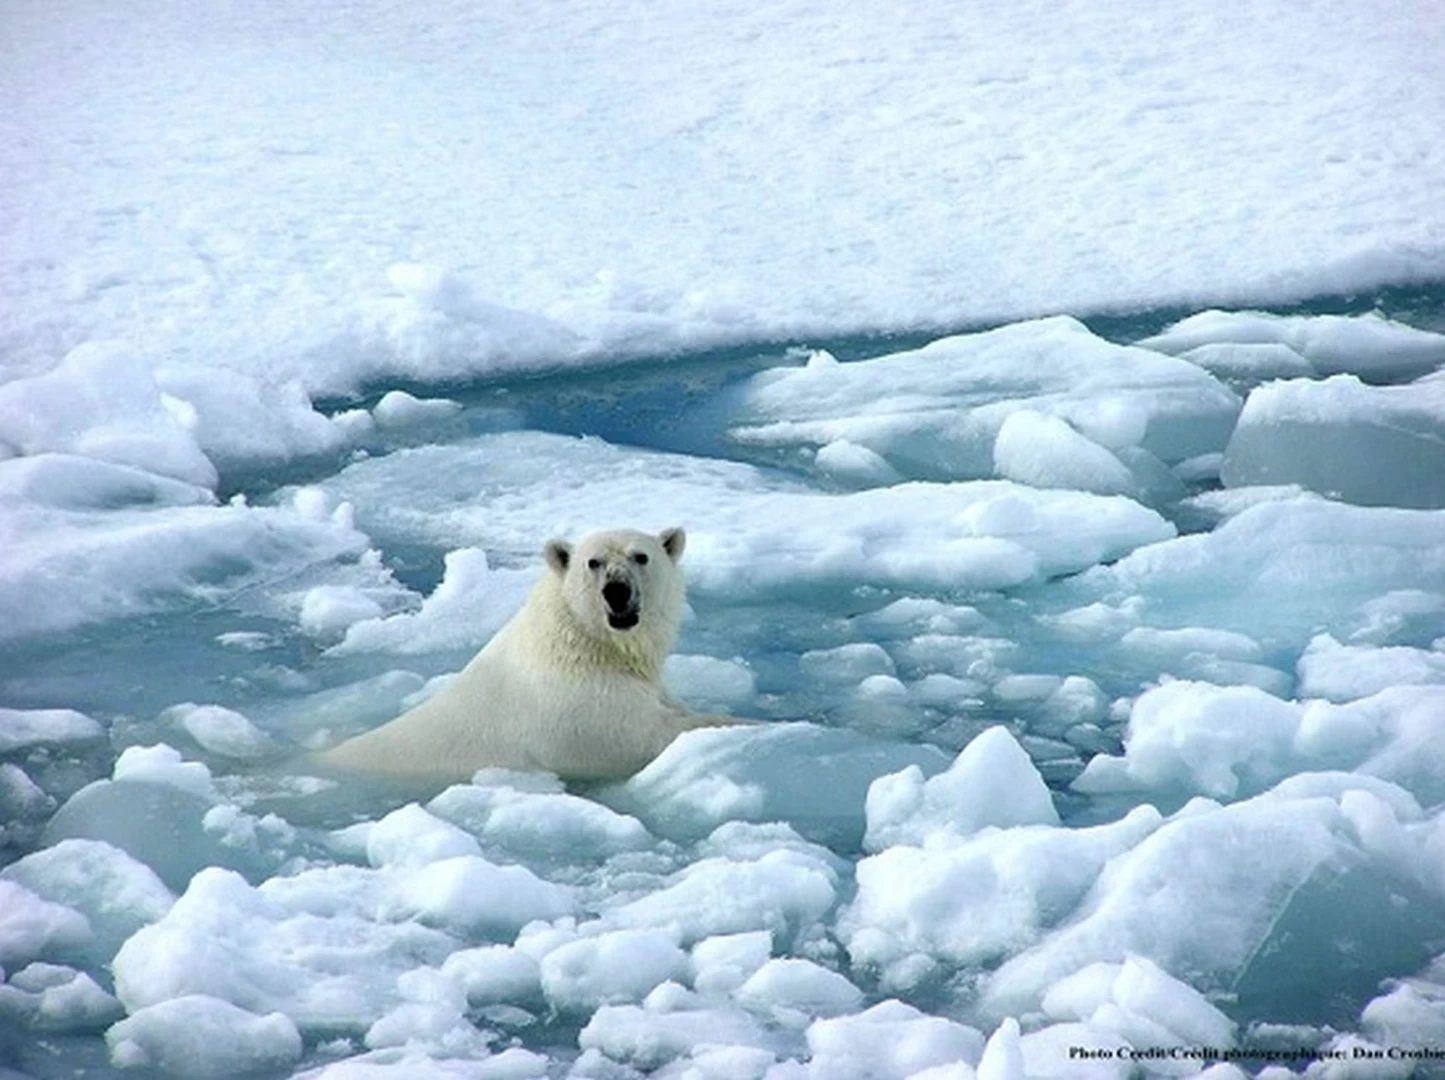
(699, 720)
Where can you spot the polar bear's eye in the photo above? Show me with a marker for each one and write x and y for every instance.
(594, 564)
(640, 558)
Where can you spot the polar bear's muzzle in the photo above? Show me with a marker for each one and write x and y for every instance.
(621, 601)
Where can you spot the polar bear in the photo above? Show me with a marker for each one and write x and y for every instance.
(571, 685)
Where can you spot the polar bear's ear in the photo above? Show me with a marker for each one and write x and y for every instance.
(673, 541)
(559, 554)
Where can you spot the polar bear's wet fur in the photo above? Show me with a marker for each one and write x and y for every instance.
(571, 685)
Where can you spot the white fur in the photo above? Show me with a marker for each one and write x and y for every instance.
(558, 688)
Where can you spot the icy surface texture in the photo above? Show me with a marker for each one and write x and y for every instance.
(329, 212)
(1052, 742)
(1046, 403)
(1092, 663)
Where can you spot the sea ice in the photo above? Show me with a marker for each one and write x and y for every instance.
(750, 530)
(786, 987)
(1373, 445)
(32, 928)
(116, 893)
(1372, 346)
(1285, 862)
(890, 1041)
(978, 899)
(1328, 669)
(65, 568)
(102, 402)
(219, 730)
(30, 729)
(992, 782)
(1044, 451)
(785, 892)
(1293, 567)
(941, 412)
(647, 1038)
(610, 968)
(749, 773)
(201, 1036)
(262, 951)
(397, 408)
(470, 604)
(240, 421)
(55, 998)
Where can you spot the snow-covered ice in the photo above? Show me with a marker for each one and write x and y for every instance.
(1053, 398)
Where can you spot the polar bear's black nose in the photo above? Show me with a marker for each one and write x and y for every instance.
(618, 595)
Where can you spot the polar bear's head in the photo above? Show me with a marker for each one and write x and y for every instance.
(623, 584)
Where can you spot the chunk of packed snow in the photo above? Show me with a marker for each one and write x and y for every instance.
(240, 420)
(220, 730)
(397, 408)
(750, 531)
(102, 402)
(1249, 364)
(531, 821)
(1282, 863)
(709, 776)
(647, 1038)
(1140, 988)
(783, 891)
(471, 603)
(1368, 345)
(265, 951)
(31, 928)
(794, 985)
(1195, 738)
(72, 482)
(26, 729)
(473, 897)
(203, 1036)
(991, 782)
(1372, 445)
(65, 568)
(162, 764)
(116, 893)
(709, 681)
(610, 968)
(1338, 672)
(936, 412)
(327, 610)
(410, 836)
(55, 998)
(722, 963)
(977, 899)
(1292, 567)
(890, 1041)
(494, 974)
(1044, 451)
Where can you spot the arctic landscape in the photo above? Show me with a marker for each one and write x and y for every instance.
(1053, 395)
